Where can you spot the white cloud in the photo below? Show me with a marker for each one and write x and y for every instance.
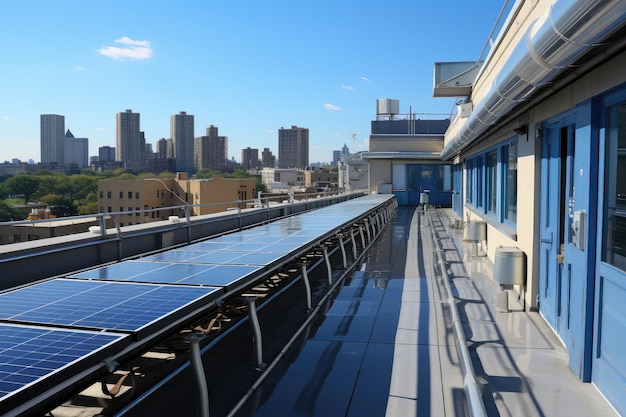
(101, 129)
(347, 87)
(366, 80)
(79, 69)
(332, 107)
(132, 49)
(269, 131)
(9, 118)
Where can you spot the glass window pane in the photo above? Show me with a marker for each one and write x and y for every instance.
(491, 177)
(510, 212)
(614, 224)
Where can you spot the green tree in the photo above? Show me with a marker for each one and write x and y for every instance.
(23, 184)
(167, 174)
(7, 214)
(60, 205)
(206, 174)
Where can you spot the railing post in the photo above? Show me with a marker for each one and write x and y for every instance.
(257, 336)
(198, 369)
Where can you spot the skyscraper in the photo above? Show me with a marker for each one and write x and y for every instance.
(106, 154)
(210, 150)
(182, 133)
(293, 147)
(129, 141)
(76, 150)
(52, 138)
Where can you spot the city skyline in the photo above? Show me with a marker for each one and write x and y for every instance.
(248, 68)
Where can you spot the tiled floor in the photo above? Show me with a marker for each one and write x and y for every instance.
(384, 345)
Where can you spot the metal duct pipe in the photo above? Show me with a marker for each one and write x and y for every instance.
(552, 43)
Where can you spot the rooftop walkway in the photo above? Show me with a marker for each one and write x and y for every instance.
(384, 346)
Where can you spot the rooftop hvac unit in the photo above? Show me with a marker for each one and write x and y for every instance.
(387, 106)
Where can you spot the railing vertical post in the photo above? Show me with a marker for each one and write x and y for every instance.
(257, 336)
(198, 369)
(307, 286)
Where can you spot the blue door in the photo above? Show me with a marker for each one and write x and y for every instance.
(566, 261)
(550, 225)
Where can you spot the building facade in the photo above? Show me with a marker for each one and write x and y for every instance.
(76, 150)
(182, 134)
(211, 150)
(539, 157)
(52, 139)
(129, 140)
(404, 159)
(250, 158)
(106, 154)
(268, 160)
(152, 199)
(293, 147)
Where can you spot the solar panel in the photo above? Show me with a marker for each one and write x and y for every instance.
(130, 307)
(34, 359)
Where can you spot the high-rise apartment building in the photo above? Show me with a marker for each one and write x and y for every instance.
(76, 150)
(130, 143)
(293, 147)
(106, 154)
(165, 149)
(250, 158)
(211, 150)
(182, 133)
(52, 139)
(268, 160)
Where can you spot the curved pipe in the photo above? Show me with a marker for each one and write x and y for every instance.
(551, 44)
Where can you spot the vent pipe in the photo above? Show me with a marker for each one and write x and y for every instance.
(552, 43)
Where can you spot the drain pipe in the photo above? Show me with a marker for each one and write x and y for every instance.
(268, 369)
(472, 389)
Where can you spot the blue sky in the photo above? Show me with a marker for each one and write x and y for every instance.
(247, 67)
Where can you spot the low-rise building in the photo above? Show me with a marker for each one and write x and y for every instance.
(149, 199)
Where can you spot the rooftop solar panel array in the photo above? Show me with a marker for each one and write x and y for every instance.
(137, 298)
(35, 358)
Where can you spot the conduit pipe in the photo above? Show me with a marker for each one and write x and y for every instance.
(551, 44)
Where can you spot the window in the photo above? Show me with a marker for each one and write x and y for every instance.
(510, 182)
(101, 194)
(491, 178)
(479, 182)
(108, 194)
(121, 194)
(121, 209)
(137, 211)
(469, 184)
(109, 210)
(130, 195)
(614, 213)
(136, 195)
(491, 182)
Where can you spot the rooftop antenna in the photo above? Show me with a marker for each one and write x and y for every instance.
(353, 142)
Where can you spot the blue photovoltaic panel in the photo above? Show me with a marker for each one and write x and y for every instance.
(33, 359)
(143, 271)
(227, 276)
(100, 304)
(177, 255)
(123, 271)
